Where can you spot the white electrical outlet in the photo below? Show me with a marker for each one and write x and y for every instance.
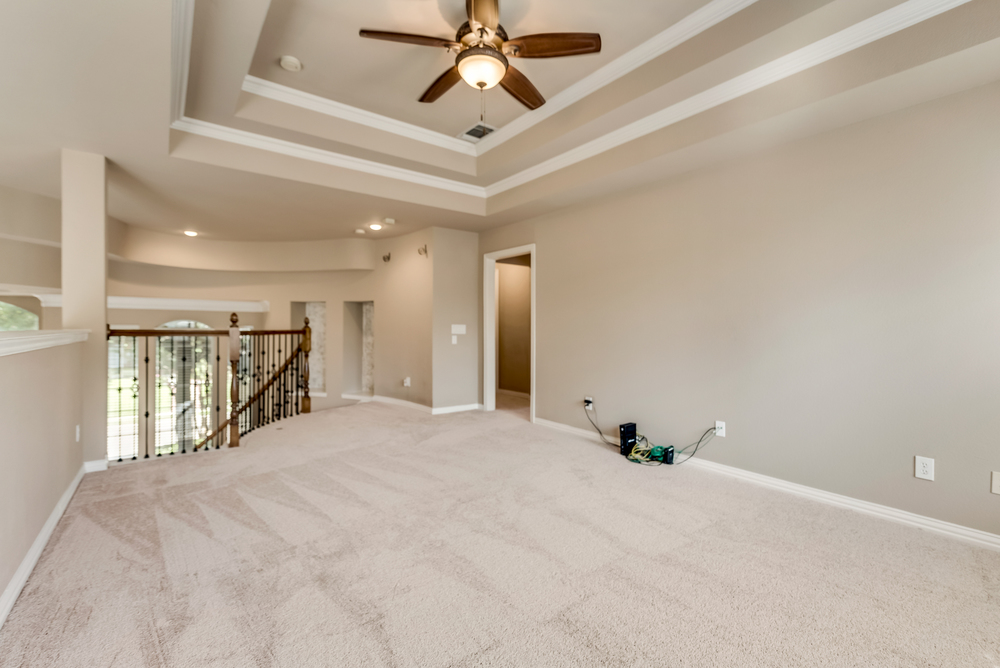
(720, 428)
(588, 403)
(923, 468)
(995, 487)
(406, 382)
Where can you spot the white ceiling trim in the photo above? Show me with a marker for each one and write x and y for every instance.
(204, 305)
(690, 26)
(865, 32)
(274, 145)
(879, 26)
(54, 300)
(322, 105)
(181, 30)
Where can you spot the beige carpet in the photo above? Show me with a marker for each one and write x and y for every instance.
(380, 536)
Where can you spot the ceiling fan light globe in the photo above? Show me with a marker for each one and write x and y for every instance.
(481, 67)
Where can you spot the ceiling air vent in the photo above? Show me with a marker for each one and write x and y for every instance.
(476, 132)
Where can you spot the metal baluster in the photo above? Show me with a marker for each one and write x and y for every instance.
(173, 395)
(119, 385)
(218, 394)
(159, 386)
(135, 395)
(149, 383)
(185, 383)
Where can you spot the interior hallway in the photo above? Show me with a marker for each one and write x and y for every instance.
(376, 535)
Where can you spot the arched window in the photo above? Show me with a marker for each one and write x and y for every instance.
(14, 318)
(184, 324)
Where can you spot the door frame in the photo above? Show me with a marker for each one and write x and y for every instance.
(490, 324)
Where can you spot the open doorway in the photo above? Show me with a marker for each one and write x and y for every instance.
(509, 329)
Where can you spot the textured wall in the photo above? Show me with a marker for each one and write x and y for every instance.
(316, 312)
(834, 301)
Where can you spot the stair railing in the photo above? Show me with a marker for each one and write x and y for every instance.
(268, 380)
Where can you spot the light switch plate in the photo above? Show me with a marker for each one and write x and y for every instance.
(995, 487)
(454, 339)
(458, 329)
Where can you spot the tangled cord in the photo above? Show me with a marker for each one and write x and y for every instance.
(643, 449)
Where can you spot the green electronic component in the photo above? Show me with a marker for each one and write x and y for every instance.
(656, 454)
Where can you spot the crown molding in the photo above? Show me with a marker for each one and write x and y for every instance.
(12, 343)
(274, 145)
(898, 18)
(54, 300)
(864, 32)
(690, 26)
(344, 112)
(206, 305)
(181, 29)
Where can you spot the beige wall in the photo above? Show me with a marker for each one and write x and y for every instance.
(401, 289)
(456, 302)
(835, 302)
(514, 327)
(40, 406)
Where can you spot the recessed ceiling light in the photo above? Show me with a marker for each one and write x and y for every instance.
(375, 226)
(290, 63)
(359, 231)
(190, 233)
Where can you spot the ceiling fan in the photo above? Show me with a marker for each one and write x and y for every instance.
(483, 48)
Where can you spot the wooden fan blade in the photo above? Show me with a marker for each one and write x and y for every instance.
(553, 45)
(405, 38)
(523, 90)
(485, 12)
(442, 85)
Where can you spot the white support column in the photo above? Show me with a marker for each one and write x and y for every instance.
(84, 285)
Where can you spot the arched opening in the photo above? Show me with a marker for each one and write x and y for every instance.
(16, 319)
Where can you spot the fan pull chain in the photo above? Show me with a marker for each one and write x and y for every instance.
(482, 107)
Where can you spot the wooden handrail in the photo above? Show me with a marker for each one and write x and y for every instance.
(168, 332)
(218, 430)
(199, 332)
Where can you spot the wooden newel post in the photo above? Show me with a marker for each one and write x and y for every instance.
(306, 347)
(234, 359)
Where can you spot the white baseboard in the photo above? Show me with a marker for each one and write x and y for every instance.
(444, 410)
(95, 465)
(512, 393)
(363, 398)
(16, 584)
(387, 400)
(586, 433)
(956, 531)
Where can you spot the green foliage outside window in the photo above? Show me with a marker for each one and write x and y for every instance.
(14, 318)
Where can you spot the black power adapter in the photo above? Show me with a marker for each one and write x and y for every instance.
(627, 433)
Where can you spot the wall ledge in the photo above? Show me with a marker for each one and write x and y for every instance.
(12, 343)
(956, 531)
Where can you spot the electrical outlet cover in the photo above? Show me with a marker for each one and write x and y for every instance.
(720, 429)
(923, 468)
(995, 488)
